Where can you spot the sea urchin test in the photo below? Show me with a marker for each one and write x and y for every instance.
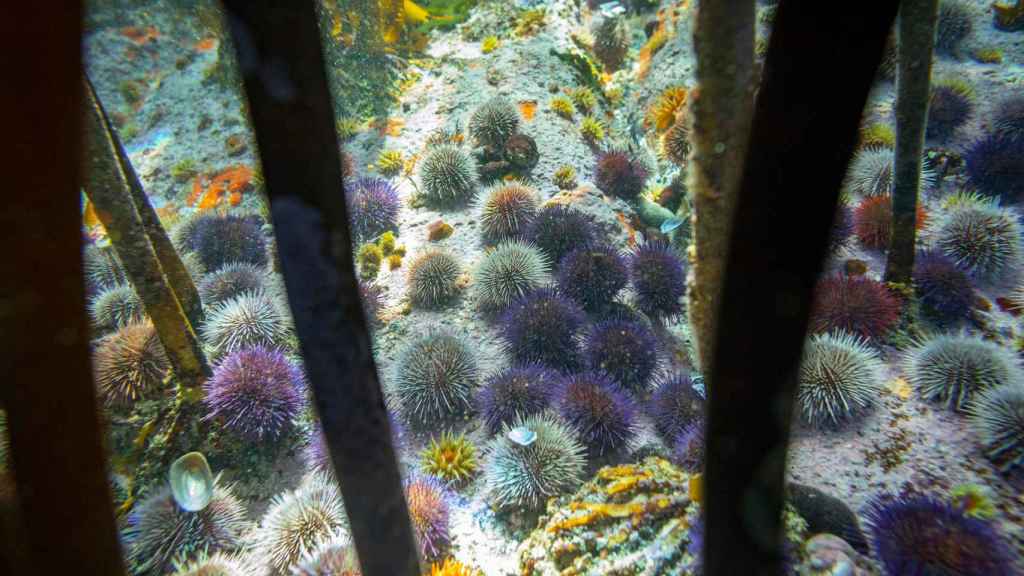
(191, 482)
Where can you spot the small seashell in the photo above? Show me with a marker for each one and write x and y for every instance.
(191, 482)
(522, 435)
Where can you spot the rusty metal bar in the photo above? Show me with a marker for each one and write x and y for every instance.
(52, 413)
(282, 63)
(815, 82)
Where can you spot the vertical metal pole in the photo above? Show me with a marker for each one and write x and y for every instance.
(282, 65)
(815, 82)
(56, 438)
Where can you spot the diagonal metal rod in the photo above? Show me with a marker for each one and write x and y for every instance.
(282, 65)
(815, 82)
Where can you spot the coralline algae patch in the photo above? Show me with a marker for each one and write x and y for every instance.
(632, 516)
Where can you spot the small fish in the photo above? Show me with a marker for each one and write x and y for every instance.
(611, 9)
(670, 224)
(191, 482)
(697, 383)
(522, 435)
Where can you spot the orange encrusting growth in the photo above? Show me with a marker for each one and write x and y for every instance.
(205, 45)
(528, 108)
(209, 190)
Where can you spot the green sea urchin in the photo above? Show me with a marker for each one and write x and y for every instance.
(525, 476)
(507, 212)
(953, 369)
(130, 364)
(997, 418)
(982, 238)
(435, 377)
(508, 272)
(611, 42)
(494, 122)
(115, 307)
(251, 319)
(447, 174)
(298, 522)
(231, 280)
(433, 278)
(840, 378)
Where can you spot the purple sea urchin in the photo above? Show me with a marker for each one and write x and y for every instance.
(626, 351)
(218, 239)
(943, 289)
(954, 369)
(842, 228)
(231, 280)
(516, 392)
(675, 405)
(507, 212)
(1008, 117)
(159, 532)
(997, 418)
(435, 377)
(995, 165)
(618, 173)
(428, 509)
(299, 522)
(373, 207)
(130, 364)
(659, 279)
(508, 272)
(840, 378)
(980, 237)
(593, 276)
(950, 106)
(557, 229)
(922, 535)
(954, 24)
(256, 392)
(251, 319)
(688, 447)
(543, 327)
(525, 476)
(601, 414)
(855, 304)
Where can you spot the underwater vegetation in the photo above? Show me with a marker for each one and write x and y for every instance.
(543, 327)
(130, 365)
(564, 177)
(219, 239)
(256, 393)
(515, 392)
(854, 304)
(603, 416)
(230, 281)
(507, 212)
(373, 207)
(428, 509)
(944, 290)
(433, 278)
(452, 567)
(592, 130)
(159, 532)
(562, 106)
(525, 476)
(954, 369)
(450, 457)
(659, 279)
(921, 534)
(507, 273)
(982, 238)
(997, 418)
(618, 173)
(674, 405)
(995, 164)
(593, 276)
(950, 106)
(627, 351)
(296, 522)
(840, 378)
(973, 500)
(448, 175)
(115, 307)
(435, 377)
(250, 319)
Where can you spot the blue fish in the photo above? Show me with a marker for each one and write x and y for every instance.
(670, 224)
